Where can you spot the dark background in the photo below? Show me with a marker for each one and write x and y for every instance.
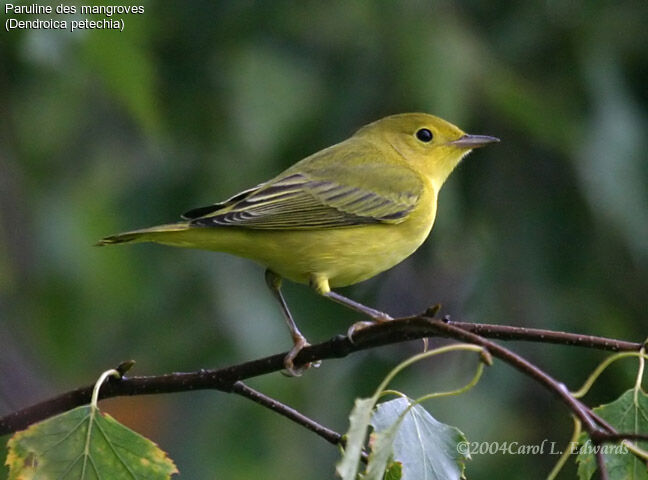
(104, 131)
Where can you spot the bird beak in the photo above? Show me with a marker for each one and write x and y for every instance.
(473, 141)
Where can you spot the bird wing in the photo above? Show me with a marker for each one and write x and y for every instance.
(320, 195)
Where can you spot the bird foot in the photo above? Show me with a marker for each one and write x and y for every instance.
(380, 317)
(289, 365)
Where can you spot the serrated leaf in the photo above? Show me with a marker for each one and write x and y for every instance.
(426, 448)
(626, 417)
(382, 449)
(347, 467)
(84, 444)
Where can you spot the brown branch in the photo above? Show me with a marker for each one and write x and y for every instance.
(505, 332)
(615, 437)
(288, 412)
(387, 333)
(600, 463)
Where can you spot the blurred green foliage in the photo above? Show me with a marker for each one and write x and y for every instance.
(103, 131)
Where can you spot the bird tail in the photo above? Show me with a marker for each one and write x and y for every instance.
(151, 234)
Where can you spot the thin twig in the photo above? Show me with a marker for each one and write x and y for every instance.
(506, 332)
(327, 434)
(276, 406)
(600, 463)
(615, 437)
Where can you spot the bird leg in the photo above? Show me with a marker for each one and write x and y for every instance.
(321, 286)
(299, 341)
(376, 315)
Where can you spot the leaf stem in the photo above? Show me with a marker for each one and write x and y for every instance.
(91, 416)
(102, 378)
(458, 391)
(581, 392)
(421, 356)
(565, 455)
(640, 372)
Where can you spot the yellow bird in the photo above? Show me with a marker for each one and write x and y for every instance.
(335, 218)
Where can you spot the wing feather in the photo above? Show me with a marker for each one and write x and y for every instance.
(315, 198)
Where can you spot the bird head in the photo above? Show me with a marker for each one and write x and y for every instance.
(429, 144)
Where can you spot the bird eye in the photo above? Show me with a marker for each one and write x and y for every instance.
(424, 135)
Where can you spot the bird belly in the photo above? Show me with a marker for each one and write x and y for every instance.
(344, 256)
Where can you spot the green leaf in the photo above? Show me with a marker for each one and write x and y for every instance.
(394, 471)
(426, 448)
(382, 449)
(84, 444)
(625, 416)
(417, 418)
(347, 467)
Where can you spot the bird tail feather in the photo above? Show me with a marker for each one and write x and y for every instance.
(150, 234)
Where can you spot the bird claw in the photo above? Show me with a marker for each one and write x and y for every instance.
(376, 318)
(353, 329)
(382, 317)
(289, 366)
